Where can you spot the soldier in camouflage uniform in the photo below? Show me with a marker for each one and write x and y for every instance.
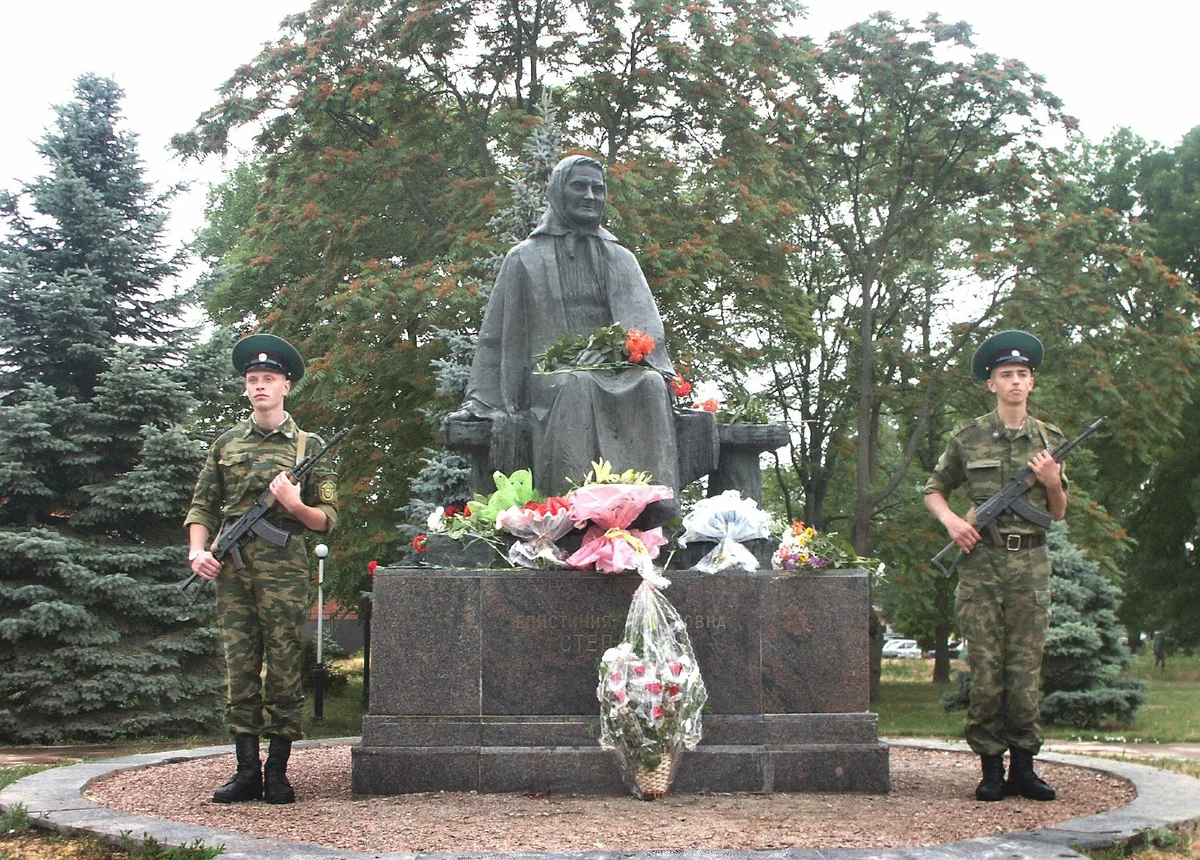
(1002, 601)
(261, 606)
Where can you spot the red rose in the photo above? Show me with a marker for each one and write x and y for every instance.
(419, 543)
(656, 712)
(676, 668)
(711, 405)
(556, 504)
(371, 565)
(673, 690)
(655, 688)
(639, 669)
(451, 511)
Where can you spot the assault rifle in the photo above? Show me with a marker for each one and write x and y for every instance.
(1010, 498)
(255, 523)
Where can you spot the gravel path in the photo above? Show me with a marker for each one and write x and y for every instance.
(931, 802)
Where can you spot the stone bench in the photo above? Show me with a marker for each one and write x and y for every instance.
(727, 453)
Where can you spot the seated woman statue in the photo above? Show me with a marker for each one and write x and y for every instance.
(570, 275)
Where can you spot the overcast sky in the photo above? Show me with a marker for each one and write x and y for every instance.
(1113, 64)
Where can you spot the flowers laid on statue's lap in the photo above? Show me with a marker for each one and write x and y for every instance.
(611, 347)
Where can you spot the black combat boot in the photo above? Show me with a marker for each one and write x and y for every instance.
(991, 787)
(247, 782)
(276, 788)
(1022, 780)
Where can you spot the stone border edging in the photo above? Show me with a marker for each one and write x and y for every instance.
(54, 799)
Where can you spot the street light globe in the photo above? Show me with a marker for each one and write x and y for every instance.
(321, 550)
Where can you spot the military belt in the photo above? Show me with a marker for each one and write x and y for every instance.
(1012, 543)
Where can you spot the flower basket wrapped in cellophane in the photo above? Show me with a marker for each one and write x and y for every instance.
(729, 520)
(651, 694)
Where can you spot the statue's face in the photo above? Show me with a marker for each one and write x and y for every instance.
(585, 194)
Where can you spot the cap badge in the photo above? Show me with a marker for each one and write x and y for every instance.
(262, 356)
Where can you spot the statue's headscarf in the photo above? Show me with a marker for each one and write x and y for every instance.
(555, 221)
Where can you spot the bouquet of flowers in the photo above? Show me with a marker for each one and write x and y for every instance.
(537, 526)
(651, 694)
(803, 549)
(727, 519)
(608, 348)
(609, 503)
(477, 520)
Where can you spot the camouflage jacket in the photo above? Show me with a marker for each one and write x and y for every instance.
(983, 455)
(241, 464)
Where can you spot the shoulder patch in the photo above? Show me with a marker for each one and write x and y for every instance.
(328, 492)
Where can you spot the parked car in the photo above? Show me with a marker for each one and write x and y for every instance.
(902, 649)
(953, 649)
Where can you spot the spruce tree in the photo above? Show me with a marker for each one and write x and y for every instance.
(96, 467)
(1085, 655)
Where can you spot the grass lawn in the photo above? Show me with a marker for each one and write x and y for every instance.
(908, 704)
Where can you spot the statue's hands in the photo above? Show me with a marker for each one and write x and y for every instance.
(589, 358)
(462, 415)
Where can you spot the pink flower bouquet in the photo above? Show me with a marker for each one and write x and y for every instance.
(610, 544)
(537, 526)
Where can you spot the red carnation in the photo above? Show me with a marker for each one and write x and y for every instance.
(638, 344)
(371, 565)
(680, 386)
(419, 543)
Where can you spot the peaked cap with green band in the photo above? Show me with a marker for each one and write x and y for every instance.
(267, 352)
(1006, 347)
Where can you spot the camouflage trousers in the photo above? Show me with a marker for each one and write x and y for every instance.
(260, 609)
(1003, 608)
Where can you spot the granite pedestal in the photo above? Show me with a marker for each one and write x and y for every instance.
(485, 680)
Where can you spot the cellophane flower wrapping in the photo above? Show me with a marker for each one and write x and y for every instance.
(537, 527)
(609, 544)
(651, 692)
(729, 520)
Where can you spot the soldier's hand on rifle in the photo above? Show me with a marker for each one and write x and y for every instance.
(1047, 469)
(962, 533)
(285, 491)
(205, 566)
